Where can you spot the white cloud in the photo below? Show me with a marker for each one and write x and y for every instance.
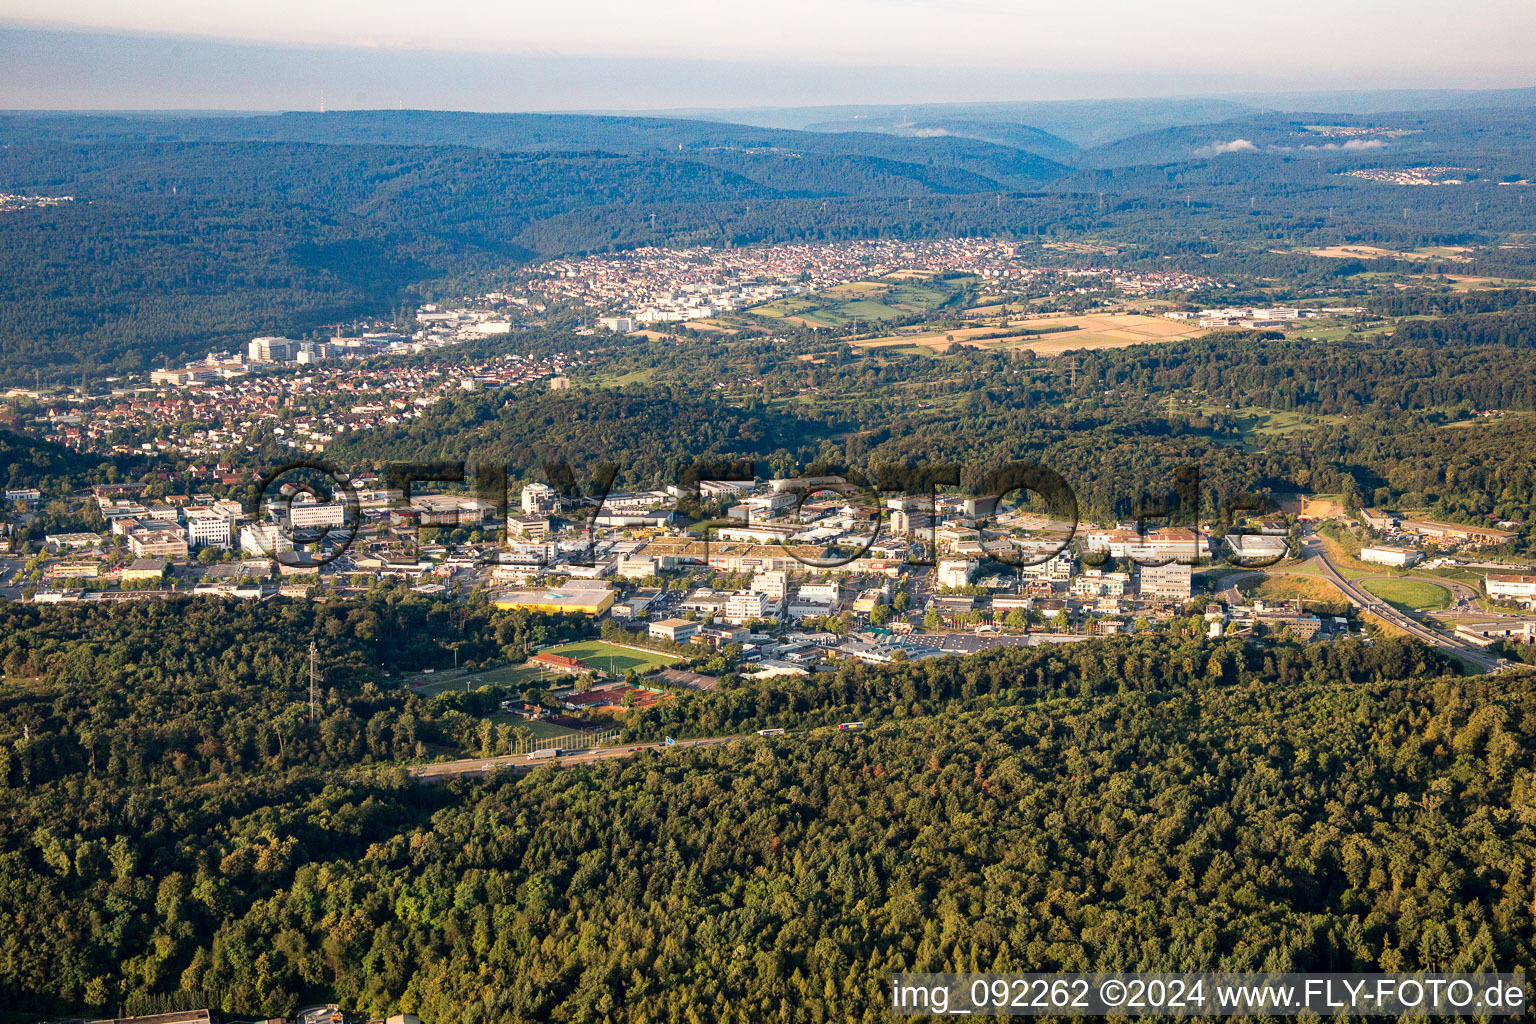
(1235, 146)
(1352, 144)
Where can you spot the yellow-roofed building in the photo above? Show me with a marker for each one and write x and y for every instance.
(584, 602)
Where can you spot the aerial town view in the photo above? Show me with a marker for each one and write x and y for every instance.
(597, 515)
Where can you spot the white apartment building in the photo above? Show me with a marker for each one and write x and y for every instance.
(955, 572)
(265, 540)
(207, 527)
(745, 605)
(1054, 570)
(539, 499)
(773, 584)
(313, 515)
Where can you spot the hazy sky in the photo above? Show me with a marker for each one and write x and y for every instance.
(838, 50)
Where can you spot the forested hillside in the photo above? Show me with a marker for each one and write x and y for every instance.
(1354, 417)
(193, 233)
(1126, 804)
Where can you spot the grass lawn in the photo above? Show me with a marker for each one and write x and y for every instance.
(1297, 588)
(506, 674)
(608, 657)
(1410, 595)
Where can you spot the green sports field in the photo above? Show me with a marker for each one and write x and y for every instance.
(614, 659)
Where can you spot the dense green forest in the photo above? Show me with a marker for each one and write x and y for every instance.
(1385, 420)
(178, 832)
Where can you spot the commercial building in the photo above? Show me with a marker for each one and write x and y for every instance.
(156, 543)
(1457, 532)
(634, 567)
(72, 571)
(867, 601)
(1382, 554)
(774, 584)
(679, 631)
(313, 515)
(1519, 631)
(1164, 584)
(207, 527)
(1257, 550)
(73, 541)
(1098, 583)
(1054, 570)
(264, 540)
(141, 569)
(539, 499)
(272, 350)
(1507, 587)
(745, 605)
(955, 572)
(573, 601)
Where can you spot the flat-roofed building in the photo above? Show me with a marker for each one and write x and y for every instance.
(150, 543)
(310, 515)
(72, 571)
(1250, 549)
(774, 584)
(539, 499)
(141, 569)
(529, 527)
(1457, 532)
(745, 605)
(264, 540)
(562, 601)
(73, 541)
(1510, 587)
(1520, 631)
(634, 567)
(1164, 584)
(1382, 554)
(679, 631)
(208, 527)
(869, 599)
(955, 572)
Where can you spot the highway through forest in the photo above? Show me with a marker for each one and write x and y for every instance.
(1317, 558)
(1364, 599)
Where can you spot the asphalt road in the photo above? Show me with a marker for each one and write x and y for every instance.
(1364, 599)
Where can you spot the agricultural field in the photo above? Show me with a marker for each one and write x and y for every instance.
(1049, 334)
(1410, 595)
(614, 659)
(1458, 253)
